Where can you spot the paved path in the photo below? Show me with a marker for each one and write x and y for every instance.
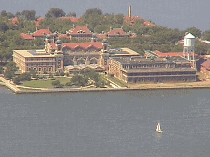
(9, 84)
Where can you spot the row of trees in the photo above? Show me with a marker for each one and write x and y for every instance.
(31, 14)
(148, 38)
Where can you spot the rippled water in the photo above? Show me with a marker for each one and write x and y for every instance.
(105, 124)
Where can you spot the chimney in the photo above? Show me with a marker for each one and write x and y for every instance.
(129, 12)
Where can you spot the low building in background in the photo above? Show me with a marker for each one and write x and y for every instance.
(116, 33)
(142, 69)
(80, 33)
(39, 34)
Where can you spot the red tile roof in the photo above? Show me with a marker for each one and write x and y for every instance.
(42, 33)
(133, 36)
(83, 45)
(147, 23)
(15, 21)
(63, 36)
(116, 32)
(72, 19)
(160, 54)
(27, 36)
(180, 42)
(206, 65)
(80, 30)
(38, 21)
(170, 54)
(101, 36)
(53, 45)
(76, 45)
(132, 20)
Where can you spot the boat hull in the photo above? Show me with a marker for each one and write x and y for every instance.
(159, 131)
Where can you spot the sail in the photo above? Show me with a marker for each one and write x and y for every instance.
(158, 127)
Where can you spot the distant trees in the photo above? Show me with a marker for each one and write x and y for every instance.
(195, 31)
(3, 26)
(28, 14)
(55, 12)
(9, 15)
(4, 13)
(92, 17)
(71, 14)
(206, 35)
(55, 24)
(201, 48)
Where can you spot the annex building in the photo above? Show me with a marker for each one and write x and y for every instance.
(143, 69)
(37, 60)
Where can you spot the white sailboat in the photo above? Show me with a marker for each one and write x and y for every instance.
(158, 130)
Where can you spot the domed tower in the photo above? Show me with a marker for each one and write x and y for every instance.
(59, 45)
(104, 55)
(59, 56)
(105, 45)
(47, 43)
(189, 47)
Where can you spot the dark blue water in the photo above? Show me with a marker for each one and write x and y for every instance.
(105, 124)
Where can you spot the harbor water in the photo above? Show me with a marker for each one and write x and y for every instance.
(105, 124)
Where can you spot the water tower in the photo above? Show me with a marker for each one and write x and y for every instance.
(189, 48)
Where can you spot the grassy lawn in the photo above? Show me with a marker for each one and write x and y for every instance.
(44, 83)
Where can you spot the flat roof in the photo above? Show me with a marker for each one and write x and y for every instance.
(33, 53)
(158, 70)
(123, 52)
(144, 60)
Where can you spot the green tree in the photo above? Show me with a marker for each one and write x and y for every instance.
(17, 14)
(10, 15)
(194, 31)
(29, 14)
(4, 13)
(1, 70)
(16, 80)
(200, 48)
(57, 84)
(3, 26)
(206, 35)
(79, 80)
(10, 70)
(25, 76)
(92, 17)
(71, 14)
(55, 12)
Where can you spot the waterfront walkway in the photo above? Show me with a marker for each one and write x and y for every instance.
(10, 85)
(151, 86)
